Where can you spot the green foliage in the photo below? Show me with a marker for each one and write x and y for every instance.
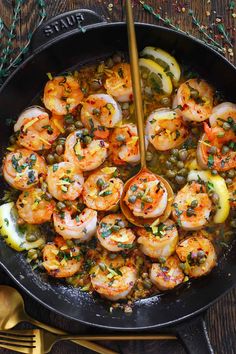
(10, 58)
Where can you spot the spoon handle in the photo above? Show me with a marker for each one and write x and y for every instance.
(84, 343)
(133, 53)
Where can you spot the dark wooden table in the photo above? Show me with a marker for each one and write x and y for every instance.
(221, 317)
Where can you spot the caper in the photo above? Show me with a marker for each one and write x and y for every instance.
(231, 173)
(180, 179)
(149, 155)
(100, 182)
(32, 254)
(190, 212)
(121, 224)
(215, 198)
(147, 284)
(125, 105)
(175, 152)
(194, 93)
(109, 63)
(213, 150)
(31, 238)
(70, 243)
(12, 139)
(226, 126)
(61, 141)
(116, 58)
(139, 194)
(147, 199)
(69, 119)
(85, 131)
(71, 128)
(78, 124)
(56, 157)
(173, 159)
(233, 223)
(87, 139)
(61, 205)
(144, 75)
(201, 254)
(132, 199)
(194, 203)
(59, 149)
(225, 149)
(214, 172)
(183, 154)
(115, 228)
(165, 101)
(228, 181)
(183, 172)
(50, 159)
(170, 173)
(120, 138)
(95, 84)
(168, 164)
(221, 134)
(180, 164)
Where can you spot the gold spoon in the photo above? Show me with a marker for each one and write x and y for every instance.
(139, 221)
(12, 312)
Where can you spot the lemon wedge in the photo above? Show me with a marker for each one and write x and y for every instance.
(164, 59)
(14, 234)
(156, 76)
(219, 186)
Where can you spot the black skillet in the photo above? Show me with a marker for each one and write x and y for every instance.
(77, 38)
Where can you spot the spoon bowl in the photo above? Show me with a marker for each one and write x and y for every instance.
(140, 221)
(11, 307)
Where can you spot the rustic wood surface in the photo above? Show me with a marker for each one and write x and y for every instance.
(221, 317)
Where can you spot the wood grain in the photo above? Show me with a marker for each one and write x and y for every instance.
(221, 317)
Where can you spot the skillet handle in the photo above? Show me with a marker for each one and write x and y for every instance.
(194, 336)
(62, 24)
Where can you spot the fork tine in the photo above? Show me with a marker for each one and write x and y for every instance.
(17, 349)
(16, 338)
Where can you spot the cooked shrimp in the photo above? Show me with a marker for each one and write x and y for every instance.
(198, 255)
(23, 168)
(113, 283)
(160, 241)
(217, 147)
(166, 129)
(146, 196)
(99, 111)
(195, 97)
(192, 206)
(36, 130)
(119, 84)
(59, 260)
(83, 152)
(114, 234)
(168, 275)
(62, 94)
(65, 181)
(124, 145)
(33, 207)
(101, 190)
(73, 226)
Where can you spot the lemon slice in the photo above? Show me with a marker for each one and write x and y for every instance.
(15, 235)
(156, 76)
(219, 186)
(164, 59)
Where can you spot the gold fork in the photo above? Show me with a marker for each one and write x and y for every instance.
(37, 341)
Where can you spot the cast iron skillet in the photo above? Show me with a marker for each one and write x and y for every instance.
(61, 44)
